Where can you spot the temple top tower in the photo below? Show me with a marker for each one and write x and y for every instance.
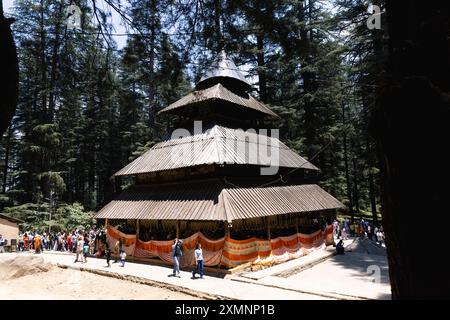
(221, 97)
(224, 71)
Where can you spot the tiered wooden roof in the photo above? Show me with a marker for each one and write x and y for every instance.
(219, 93)
(217, 145)
(222, 87)
(215, 200)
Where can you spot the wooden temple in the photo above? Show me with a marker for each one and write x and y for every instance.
(209, 186)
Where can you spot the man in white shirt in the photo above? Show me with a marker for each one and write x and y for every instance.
(198, 261)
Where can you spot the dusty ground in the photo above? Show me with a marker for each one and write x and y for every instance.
(28, 277)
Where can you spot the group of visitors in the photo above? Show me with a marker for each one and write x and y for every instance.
(62, 241)
(81, 243)
(177, 253)
(358, 228)
(32, 241)
(93, 242)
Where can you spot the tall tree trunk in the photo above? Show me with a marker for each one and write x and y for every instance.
(54, 65)
(372, 195)
(9, 77)
(43, 62)
(151, 76)
(7, 151)
(310, 19)
(346, 166)
(309, 84)
(261, 67)
(410, 127)
(217, 27)
(355, 185)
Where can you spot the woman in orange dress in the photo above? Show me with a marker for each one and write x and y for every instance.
(37, 243)
(25, 241)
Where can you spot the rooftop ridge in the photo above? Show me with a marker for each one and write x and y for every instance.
(216, 145)
(220, 92)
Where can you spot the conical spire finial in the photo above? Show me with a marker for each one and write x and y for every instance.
(223, 70)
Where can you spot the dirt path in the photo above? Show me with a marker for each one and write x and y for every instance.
(29, 277)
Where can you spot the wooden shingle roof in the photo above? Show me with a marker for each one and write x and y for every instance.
(219, 92)
(218, 145)
(216, 201)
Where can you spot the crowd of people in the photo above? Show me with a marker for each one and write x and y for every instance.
(93, 242)
(89, 242)
(358, 228)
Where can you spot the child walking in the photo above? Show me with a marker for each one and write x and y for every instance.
(85, 250)
(123, 255)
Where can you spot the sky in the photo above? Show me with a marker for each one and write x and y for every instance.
(116, 20)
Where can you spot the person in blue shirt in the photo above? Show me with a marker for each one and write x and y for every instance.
(198, 261)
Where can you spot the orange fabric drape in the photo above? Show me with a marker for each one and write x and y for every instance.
(226, 251)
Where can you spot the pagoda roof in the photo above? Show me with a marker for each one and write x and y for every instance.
(214, 200)
(217, 145)
(223, 70)
(219, 92)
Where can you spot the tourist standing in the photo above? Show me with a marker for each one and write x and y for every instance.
(31, 239)
(108, 254)
(55, 241)
(2, 244)
(69, 242)
(85, 249)
(25, 241)
(119, 248)
(344, 233)
(176, 255)
(380, 236)
(336, 228)
(74, 242)
(198, 261)
(21, 243)
(37, 243)
(79, 250)
(340, 247)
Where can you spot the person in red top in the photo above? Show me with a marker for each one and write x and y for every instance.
(25, 241)
(69, 242)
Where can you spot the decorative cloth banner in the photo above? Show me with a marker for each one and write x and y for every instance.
(212, 250)
(236, 252)
(281, 249)
(129, 241)
(328, 233)
(227, 251)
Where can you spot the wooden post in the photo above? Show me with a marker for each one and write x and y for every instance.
(106, 223)
(137, 237)
(226, 235)
(268, 227)
(137, 230)
(296, 223)
(227, 230)
(178, 229)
